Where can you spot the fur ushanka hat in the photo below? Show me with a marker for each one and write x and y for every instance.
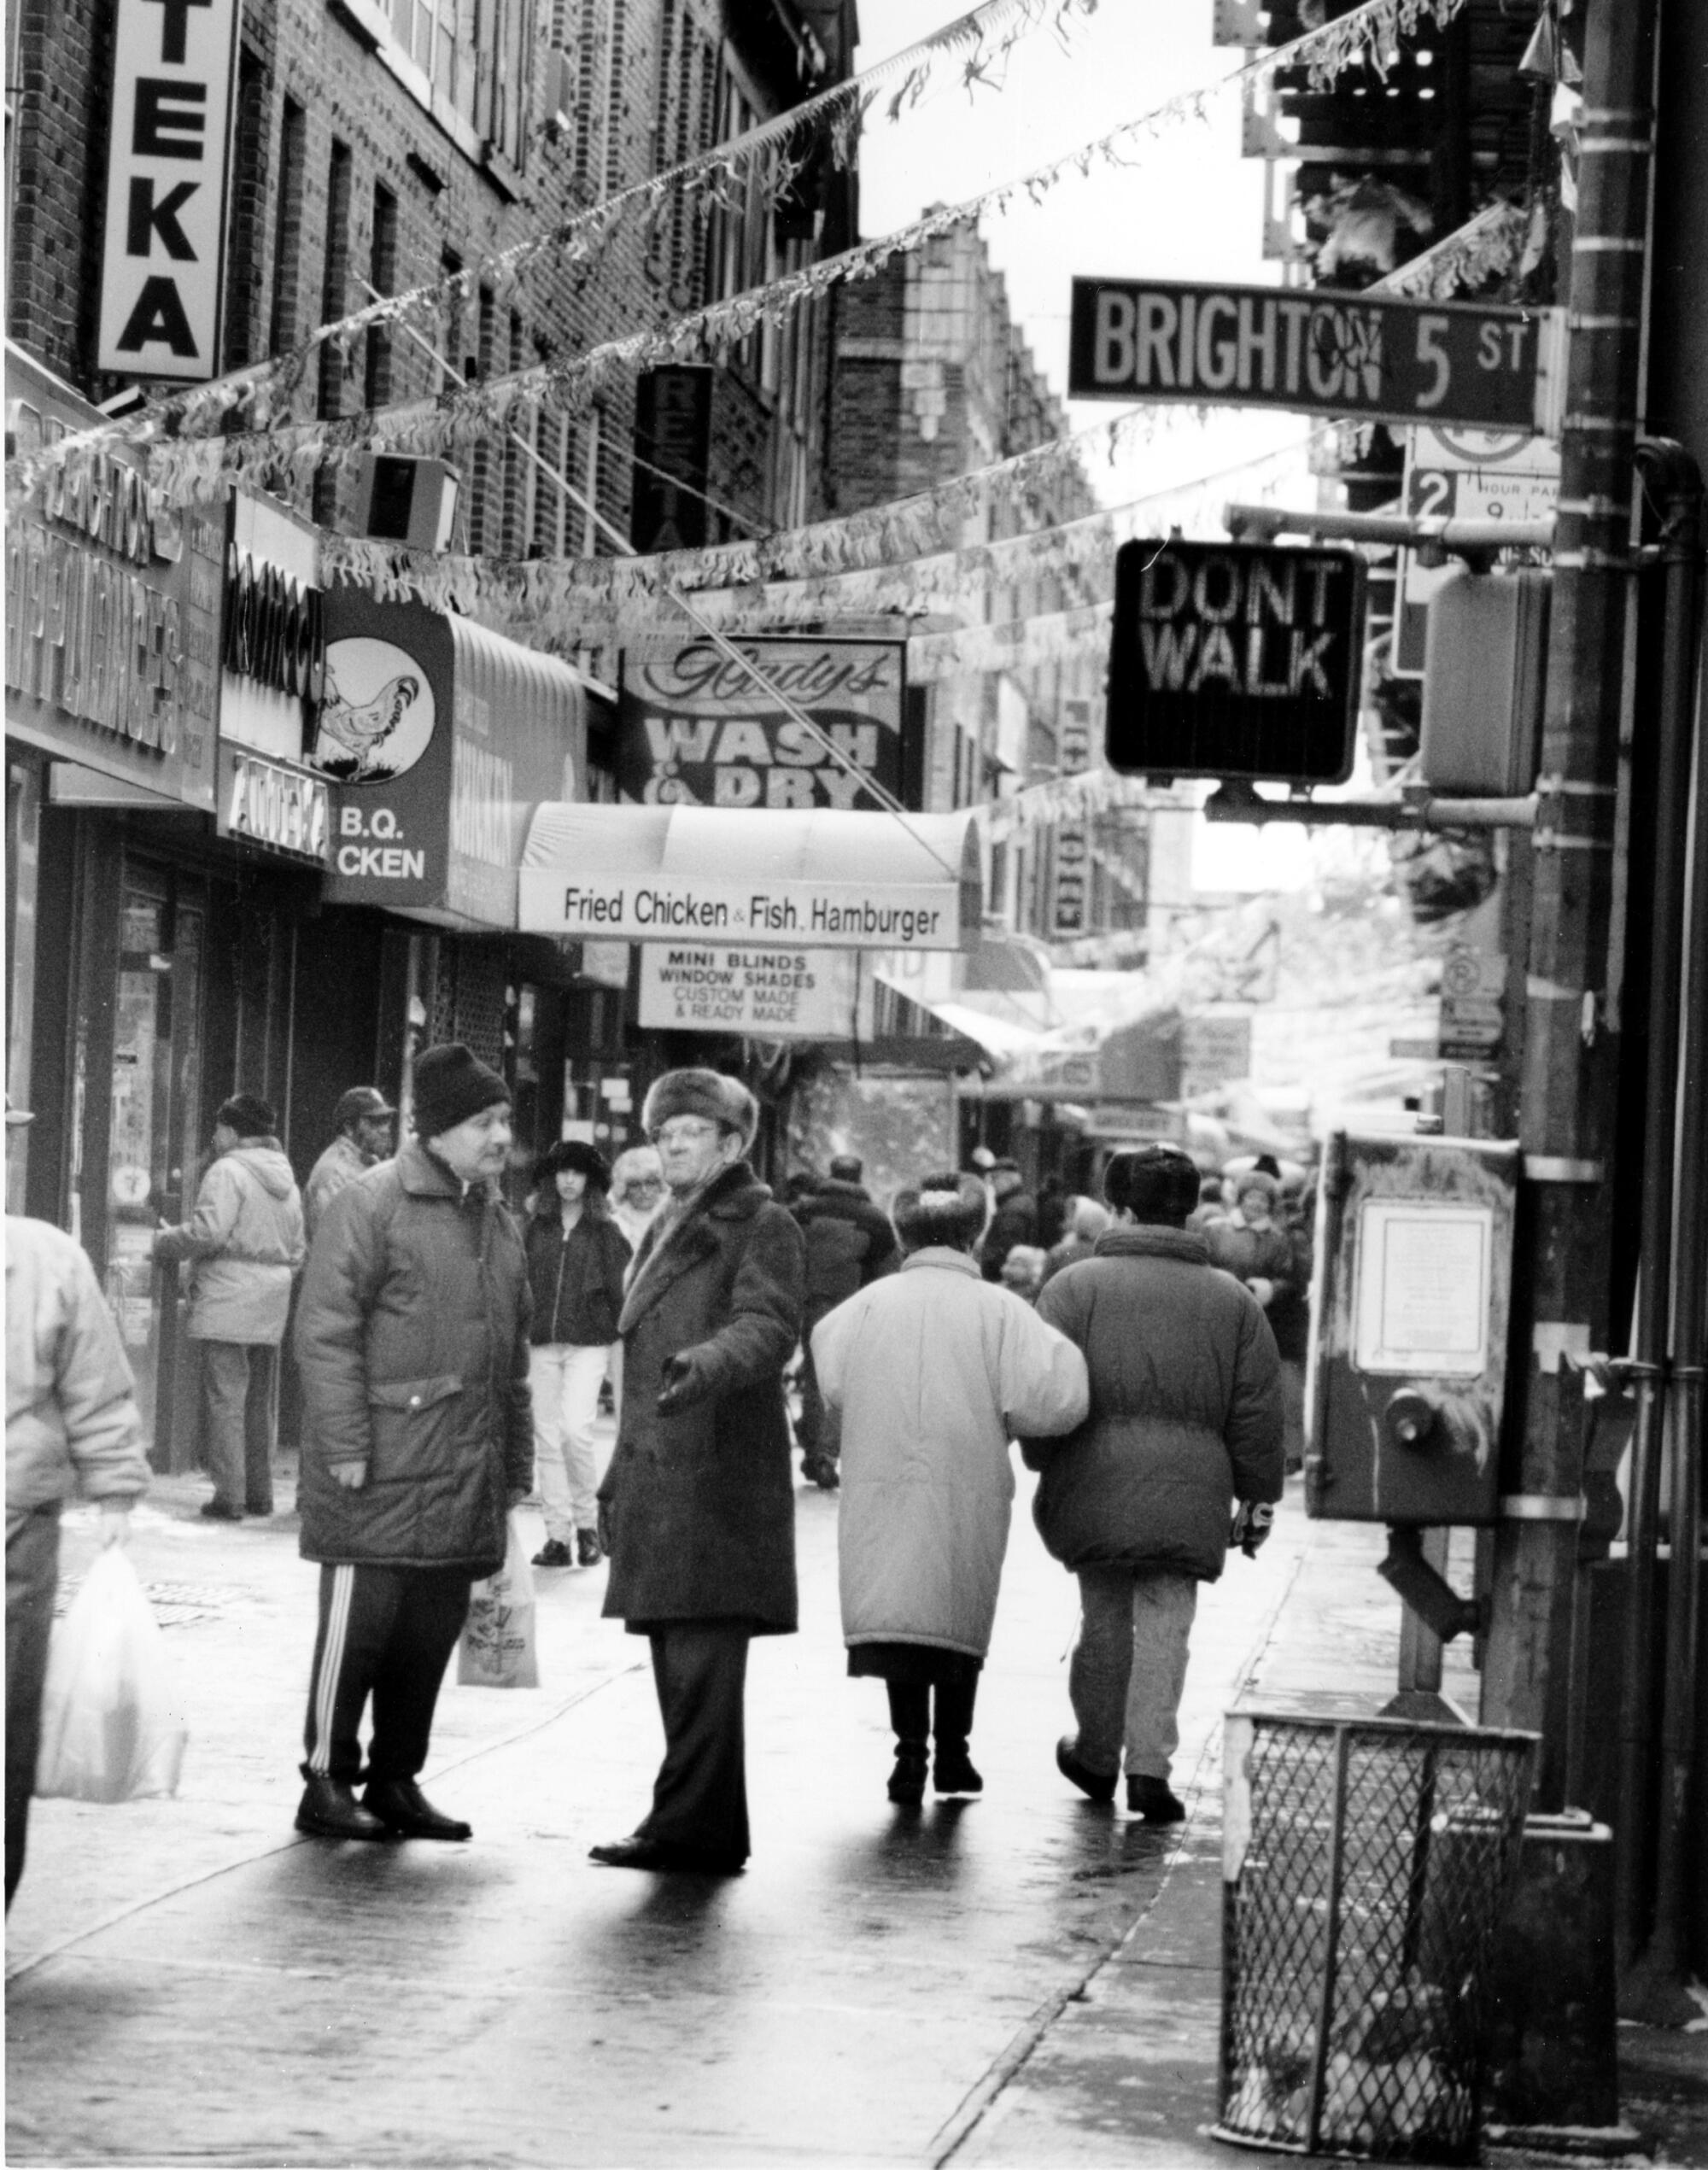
(707, 1093)
(949, 1209)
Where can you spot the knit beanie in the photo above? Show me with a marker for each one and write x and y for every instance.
(949, 1209)
(705, 1093)
(248, 1114)
(1152, 1183)
(451, 1083)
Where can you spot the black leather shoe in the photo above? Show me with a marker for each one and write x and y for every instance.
(554, 1552)
(1151, 1799)
(907, 1779)
(1097, 1784)
(219, 1511)
(953, 1773)
(821, 1470)
(404, 1808)
(329, 1809)
(638, 1851)
(588, 1552)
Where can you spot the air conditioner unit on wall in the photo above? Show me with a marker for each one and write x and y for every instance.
(402, 500)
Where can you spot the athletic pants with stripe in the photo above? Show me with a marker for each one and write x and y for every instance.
(386, 1633)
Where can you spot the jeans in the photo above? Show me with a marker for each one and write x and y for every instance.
(237, 1420)
(1129, 1666)
(564, 1377)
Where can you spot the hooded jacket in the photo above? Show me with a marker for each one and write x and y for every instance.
(411, 1341)
(700, 1504)
(850, 1242)
(72, 1423)
(1186, 1413)
(933, 1370)
(245, 1240)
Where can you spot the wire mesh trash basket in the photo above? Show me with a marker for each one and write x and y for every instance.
(1366, 1866)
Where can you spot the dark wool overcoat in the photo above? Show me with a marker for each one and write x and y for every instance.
(700, 1504)
(412, 1339)
(1185, 1411)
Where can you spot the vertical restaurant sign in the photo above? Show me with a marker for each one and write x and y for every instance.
(673, 438)
(163, 251)
(696, 730)
(1070, 864)
(112, 641)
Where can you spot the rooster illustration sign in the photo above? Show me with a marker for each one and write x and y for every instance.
(377, 715)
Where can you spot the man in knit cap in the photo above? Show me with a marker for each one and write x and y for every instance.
(412, 1339)
(698, 1504)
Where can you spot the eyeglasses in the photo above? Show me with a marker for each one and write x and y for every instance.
(685, 1130)
(644, 1182)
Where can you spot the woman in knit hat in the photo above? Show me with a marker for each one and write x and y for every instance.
(933, 1369)
(577, 1257)
(1249, 1244)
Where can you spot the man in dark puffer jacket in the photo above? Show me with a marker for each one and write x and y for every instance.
(411, 1339)
(1185, 1420)
(849, 1244)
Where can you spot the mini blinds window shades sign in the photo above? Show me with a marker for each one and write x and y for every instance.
(163, 258)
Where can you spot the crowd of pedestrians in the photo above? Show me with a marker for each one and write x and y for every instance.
(1144, 1350)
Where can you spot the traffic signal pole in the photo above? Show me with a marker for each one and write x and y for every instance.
(1570, 1060)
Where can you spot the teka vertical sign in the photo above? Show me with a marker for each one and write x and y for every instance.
(1235, 659)
(164, 249)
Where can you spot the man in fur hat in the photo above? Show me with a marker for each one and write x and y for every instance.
(698, 1504)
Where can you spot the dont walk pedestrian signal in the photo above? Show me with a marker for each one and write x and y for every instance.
(1235, 660)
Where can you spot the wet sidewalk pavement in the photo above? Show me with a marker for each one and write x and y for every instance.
(1022, 1979)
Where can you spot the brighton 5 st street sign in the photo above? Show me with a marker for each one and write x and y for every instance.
(1313, 352)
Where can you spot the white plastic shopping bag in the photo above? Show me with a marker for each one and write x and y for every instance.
(112, 1729)
(497, 1649)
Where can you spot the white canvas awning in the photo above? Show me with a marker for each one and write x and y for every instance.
(812, 879)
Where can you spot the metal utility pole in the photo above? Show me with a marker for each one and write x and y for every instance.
(1570, 1065)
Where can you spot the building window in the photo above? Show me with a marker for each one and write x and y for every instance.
(467, 64)
(287, 249)
(382, 279)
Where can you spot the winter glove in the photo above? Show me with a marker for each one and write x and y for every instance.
(687, 1380)
(1253, 1519)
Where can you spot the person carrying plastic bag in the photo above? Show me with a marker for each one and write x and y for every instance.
(72, 1425)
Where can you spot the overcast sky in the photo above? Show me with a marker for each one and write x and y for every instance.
(1188, 206)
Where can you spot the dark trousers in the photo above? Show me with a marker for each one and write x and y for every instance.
(237, 1422)
(911, 1717)
(387, 1633)
(699, 1799)
(820, 1428)
(31, 1576)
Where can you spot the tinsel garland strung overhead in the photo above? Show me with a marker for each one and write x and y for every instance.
(187, 469)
